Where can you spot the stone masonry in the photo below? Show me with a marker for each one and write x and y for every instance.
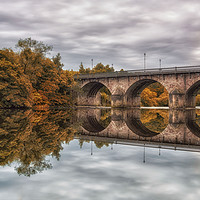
(182, 85)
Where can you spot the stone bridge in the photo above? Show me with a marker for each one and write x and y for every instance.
(181, 130)
(182, 84)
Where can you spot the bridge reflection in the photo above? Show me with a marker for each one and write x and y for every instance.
(192, 122)
(160, 127)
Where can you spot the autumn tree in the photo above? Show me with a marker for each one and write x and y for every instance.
(83, 70)
(148, 98)
(154, 95)
(15, 87)
(29, 78)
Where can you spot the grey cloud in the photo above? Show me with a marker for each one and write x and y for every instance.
(116, 32)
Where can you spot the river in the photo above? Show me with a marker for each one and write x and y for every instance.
(100, 154)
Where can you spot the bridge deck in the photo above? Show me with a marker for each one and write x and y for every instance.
(141, 72)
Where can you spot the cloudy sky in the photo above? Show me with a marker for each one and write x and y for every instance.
(108, 31)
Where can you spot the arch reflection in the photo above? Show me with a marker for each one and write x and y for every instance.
(144, 123)
(147, 123)
(96, 120)
(193, 121)
(191, 95)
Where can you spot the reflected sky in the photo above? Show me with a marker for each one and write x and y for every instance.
(108, 174)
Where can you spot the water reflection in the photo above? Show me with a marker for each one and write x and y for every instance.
(177, 128)
(155, 120)
(28, 137)
(94, 120)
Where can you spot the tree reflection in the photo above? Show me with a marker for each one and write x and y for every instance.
(155, 120)
(105, 117)
(98, 144)
(33, 167)
(198, 117)
(27, 137)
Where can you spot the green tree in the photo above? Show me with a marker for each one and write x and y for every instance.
(99, 68)
(82, 69)
(33, 45)
(57, 61)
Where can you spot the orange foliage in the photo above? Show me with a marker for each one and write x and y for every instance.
(198, 100)
(154, 95)
(148, 97)
(27, 137)
(155, 120)
(28, 78)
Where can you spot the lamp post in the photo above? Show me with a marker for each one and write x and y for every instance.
(144, 157)
(92, 62)
(91, 148)
(144, 61)
(160, 63)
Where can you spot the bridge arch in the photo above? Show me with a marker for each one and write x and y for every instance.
(132, 97)
(90, 94)
(191, 95)
(191, 122)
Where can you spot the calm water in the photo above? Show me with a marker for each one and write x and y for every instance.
(99, 154)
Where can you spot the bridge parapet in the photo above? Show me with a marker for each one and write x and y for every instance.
(140, 72)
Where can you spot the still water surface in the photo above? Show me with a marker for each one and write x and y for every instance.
(57, 155)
